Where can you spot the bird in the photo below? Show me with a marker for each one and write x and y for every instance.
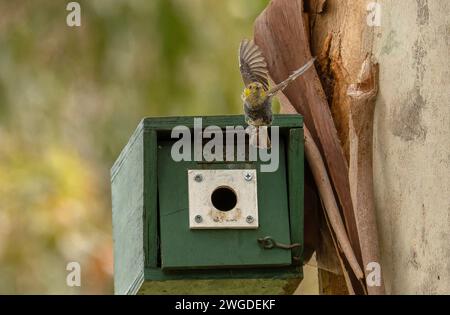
(257, 96)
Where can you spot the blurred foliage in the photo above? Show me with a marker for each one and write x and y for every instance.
(69, 100)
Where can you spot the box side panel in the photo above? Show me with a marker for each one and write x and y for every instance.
(150, 199)
(295, 192)
(127, 209)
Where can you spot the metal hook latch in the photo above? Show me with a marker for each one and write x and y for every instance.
(268, 243)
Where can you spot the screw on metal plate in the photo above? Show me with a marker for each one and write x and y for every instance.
(198, 178)
(248, 176)
(198, 218)
(223, 198)
(249, 219)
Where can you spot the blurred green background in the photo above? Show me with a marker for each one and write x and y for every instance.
(69, 99)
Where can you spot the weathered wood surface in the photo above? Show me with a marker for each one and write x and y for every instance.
(280, 32)
(127, 188)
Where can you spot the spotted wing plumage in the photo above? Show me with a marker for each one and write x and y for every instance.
(252, 65)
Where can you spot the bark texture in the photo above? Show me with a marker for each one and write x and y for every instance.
(282, 33)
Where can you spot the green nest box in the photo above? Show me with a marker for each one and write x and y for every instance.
(197, 216)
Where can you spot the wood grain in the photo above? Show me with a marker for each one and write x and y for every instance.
(127, 188)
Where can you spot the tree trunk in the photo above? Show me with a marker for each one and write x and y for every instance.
(398, 173)
(343, 39)
(409, 150)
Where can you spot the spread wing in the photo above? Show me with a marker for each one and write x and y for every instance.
(252, 65)
(281, 86)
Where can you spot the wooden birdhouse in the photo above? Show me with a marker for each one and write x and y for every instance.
(197, 210)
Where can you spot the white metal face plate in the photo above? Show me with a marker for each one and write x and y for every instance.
(223, 199)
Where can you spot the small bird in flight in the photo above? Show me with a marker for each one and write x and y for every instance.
(257, 96)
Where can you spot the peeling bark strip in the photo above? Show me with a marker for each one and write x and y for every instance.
(362, 105)
(345, 61)
(280, 33)
(340, 240)
(326, 192)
